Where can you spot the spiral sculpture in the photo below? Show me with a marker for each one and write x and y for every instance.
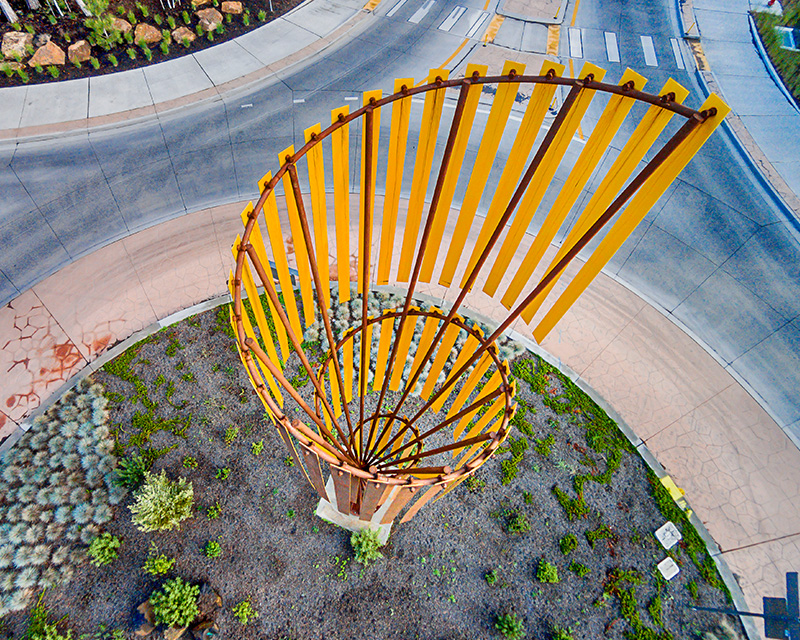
(407, 401)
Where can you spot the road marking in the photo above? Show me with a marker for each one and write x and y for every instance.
(395, 8)
(298, 100)
(422, 12)
(612, 48)
(351, 98)
(249, 105)
(649, 51)
(676, 51)
(370, 6)
(553, 37)
(475, 23)
(492, 29)
(575, 43)
(450, 20)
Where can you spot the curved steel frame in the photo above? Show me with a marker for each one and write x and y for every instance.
(366, 461)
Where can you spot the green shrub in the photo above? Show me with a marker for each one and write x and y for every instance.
(474, 484)
(223, 473)
(244, 612)
(547, 572)
(654, 609)
(214, 511)
(176, 604)
(574, 507)
(491, 577)
(542, 445)
(510, 626)
(157, 564)
(568, 544)
(365, 544)
(693, 591)
(257, 447)
(581, 570)
(517, 523)
(213, 549)
(262, 15)
(161, 504)
(230, 435)
(189, 462)
(131, 472)
(104, 549)
(559, 633)
(600, 533)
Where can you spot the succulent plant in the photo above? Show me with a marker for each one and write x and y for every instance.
(56, 445)
(6, 556)
(27, 493)
(34, 533)
(53, 532)
(71, 461)
(60, 555)
(7, 580)
(69, 429)
(17, 534)
(27, 578)
(78, 495)
(40, 554)
(50, 578)
(30, 513)
(14, 514)
(22, 558)
(83, 513)
(46, 516)
(64, 514)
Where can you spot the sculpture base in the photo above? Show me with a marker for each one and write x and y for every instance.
(326, 509)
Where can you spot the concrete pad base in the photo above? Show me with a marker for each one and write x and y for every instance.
(326, 509)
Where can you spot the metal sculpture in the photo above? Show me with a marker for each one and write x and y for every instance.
(385, 456)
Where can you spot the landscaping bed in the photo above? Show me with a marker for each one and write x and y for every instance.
(785, 61)
(555, 532)
(45, 45)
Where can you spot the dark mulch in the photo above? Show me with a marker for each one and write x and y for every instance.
(298, 570)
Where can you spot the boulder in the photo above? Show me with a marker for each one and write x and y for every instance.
(232, 6)
(80, 51)
(200, 3)
(173, 633)
(48, 54)
(123, 26)
(182, 33)
(208, 602)
(146, 33)
(144, 620)
(205, 631)
(210, 18)
(15, 44)
(41, 40)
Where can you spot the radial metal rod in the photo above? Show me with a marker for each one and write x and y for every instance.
(590, 233)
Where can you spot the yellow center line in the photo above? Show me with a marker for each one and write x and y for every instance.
(575, 12)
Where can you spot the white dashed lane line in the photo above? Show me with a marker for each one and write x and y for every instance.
(575, 43)
(649, 51)
(395, 8)
(420, 13)
(676, 51)
(612, 47)
(475, 23)
(450, 20)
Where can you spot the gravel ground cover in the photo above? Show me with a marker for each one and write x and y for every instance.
(557, 530)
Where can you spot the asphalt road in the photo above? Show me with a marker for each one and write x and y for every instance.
(714, 252)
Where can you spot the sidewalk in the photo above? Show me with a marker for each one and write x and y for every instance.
(764, 120)
(108, 99)
(740, 471)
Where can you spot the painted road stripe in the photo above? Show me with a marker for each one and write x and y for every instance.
(491, 31)
(649, 51)
(299, 100)
(450, 21)
(351, 98)
(395, 8)
(475, 23)
(612, 48)
(422, 12)
(676, 51)
(575, 43)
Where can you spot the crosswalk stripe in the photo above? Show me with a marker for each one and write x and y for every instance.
(475, 23)
(575, 43)
(395, 8)
(676, 51)
(612, 48)
(422, 12)
(450, 21)
(649, 51)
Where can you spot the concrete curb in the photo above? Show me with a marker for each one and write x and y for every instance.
(309, 28)
(685, 9)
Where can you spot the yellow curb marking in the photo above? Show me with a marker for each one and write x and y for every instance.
(699, 56)
(553, 36)
(370, 6)
(575, 13)
(492, 29)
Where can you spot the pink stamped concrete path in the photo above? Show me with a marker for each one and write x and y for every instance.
(740, 471)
